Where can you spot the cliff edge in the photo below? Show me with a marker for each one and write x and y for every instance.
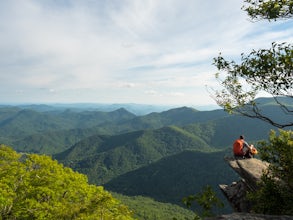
(250, 171)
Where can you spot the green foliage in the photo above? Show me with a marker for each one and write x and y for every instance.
(206, 199)
(269, 9)
(173, 177)
(263, 70)
(36, 187)
(145, 208)
(24, 135)
(159, 163)
(105, 157)
(20, 128)
(275, 194)
(205, 131)
(55, 141)
(268, 70)
(55, 131)
(254, 68)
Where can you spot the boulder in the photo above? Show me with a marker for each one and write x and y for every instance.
(250, 171)
(235, 194)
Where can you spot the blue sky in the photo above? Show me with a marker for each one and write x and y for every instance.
(123, 51)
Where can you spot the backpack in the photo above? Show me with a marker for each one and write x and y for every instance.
(237, 147)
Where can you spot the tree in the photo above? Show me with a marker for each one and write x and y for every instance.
(269, 70)
(275, 194)
(37, 187)
(269, 9)
(206, 199)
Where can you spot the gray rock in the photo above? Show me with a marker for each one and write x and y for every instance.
(250, 171)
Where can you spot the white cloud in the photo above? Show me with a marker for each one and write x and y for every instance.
(178, 94)
(117, 47)
(151, 92)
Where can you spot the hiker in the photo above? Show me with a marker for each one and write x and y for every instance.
(241, 148)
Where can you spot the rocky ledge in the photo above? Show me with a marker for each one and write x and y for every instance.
(250, 171)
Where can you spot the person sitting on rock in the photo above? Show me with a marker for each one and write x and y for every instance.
(241, 148)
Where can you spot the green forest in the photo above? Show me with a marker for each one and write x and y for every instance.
(135, 161)
(37, 187)
(148, 162)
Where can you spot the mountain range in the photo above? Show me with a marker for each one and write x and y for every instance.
(162, 155)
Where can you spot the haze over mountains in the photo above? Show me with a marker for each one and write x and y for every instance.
(137, 109)
(163, 155)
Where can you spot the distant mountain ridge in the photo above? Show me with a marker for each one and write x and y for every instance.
(163, 155)
(17, 124)
(137, 109)
(23, 127)
(34, 131)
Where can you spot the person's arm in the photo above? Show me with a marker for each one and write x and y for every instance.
(246, 145)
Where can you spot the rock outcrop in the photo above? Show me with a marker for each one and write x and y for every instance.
(250, 171)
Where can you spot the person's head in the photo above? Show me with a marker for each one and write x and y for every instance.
(241, 137)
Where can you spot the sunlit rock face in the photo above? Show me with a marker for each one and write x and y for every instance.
(250, 172)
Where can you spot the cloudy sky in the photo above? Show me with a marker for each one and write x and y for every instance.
(123, 51)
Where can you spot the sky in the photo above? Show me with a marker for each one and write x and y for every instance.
(123, 51)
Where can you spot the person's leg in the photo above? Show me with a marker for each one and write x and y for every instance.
(237, 157)
(248, 154)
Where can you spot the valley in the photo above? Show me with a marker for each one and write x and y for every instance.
(164, 155)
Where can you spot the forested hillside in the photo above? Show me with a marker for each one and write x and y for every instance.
(105, 157)
(164, 156)
(54, 131)
(174, 177)
(148, 208)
